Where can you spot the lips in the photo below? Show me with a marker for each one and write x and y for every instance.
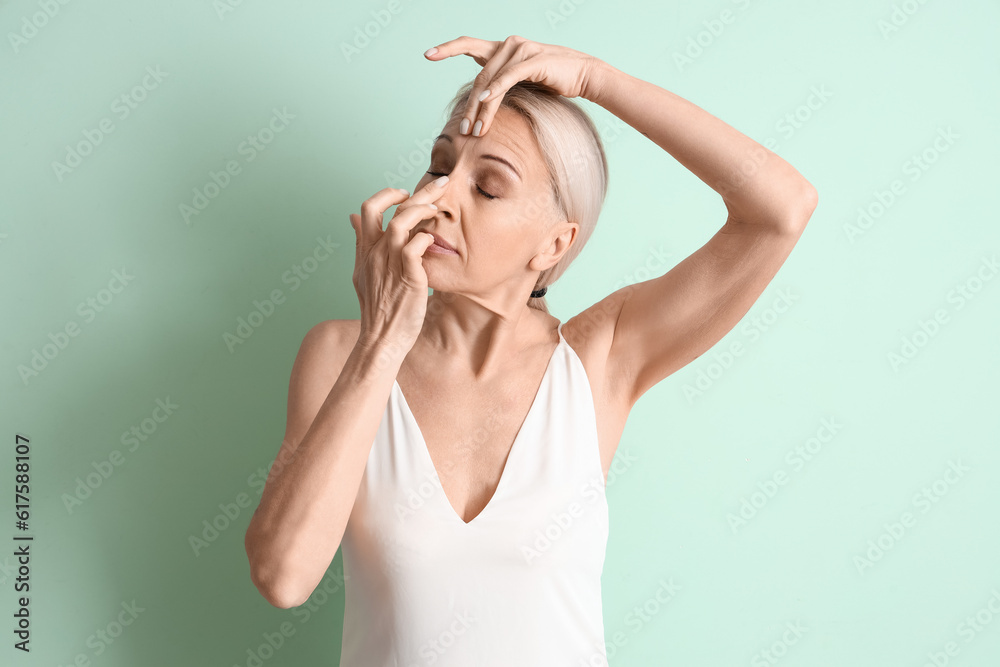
(438, 240)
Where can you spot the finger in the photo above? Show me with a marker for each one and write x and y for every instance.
(412, 255)
(427, 194)
(513, 72)
(360, 248)
(372, 210)
(481, 85)
(479, 50)
(359, 245)
(400, 226)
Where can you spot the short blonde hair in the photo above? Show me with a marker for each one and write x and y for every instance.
(574, 157)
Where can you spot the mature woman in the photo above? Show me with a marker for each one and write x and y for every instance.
(457, 445)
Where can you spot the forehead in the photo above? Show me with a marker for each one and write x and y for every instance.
(509, 136)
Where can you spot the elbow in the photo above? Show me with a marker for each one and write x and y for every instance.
(269, 579)
(810, 199)
(799, 214)
(282, 601)
(808, 202)
(278, 595)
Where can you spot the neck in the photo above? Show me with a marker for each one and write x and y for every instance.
(463, 335)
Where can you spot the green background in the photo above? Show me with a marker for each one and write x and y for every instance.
(849, 96)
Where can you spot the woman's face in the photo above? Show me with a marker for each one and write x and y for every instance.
(496, 210)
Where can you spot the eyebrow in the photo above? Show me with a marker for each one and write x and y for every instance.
(485, 157)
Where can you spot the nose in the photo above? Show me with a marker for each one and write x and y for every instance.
(442, 197)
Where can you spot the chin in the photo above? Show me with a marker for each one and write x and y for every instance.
(438, 283)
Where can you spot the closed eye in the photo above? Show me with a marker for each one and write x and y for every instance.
(485, 194)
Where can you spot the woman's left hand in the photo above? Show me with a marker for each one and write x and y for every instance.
(570, 73)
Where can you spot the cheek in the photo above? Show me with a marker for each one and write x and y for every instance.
(501, 243)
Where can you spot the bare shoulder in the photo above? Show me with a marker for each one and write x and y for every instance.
(319, 362)
(328, 344)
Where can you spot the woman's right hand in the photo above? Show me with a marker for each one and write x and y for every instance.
(389, 276)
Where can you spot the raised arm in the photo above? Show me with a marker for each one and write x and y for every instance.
(662, 324)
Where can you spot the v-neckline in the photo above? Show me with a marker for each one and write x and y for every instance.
(510, 455)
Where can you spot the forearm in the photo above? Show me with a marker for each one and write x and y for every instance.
(303, 511)
(755, 184)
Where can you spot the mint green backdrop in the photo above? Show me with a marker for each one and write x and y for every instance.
(826, 496)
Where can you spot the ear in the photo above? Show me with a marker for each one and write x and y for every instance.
(556, 246)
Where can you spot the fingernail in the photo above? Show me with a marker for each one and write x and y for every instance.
(431, 51)
(483, 95)
(433, 206)
(464, 127)
(475, 129)
(441, 181)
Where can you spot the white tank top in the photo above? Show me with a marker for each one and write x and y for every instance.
(520, 584)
